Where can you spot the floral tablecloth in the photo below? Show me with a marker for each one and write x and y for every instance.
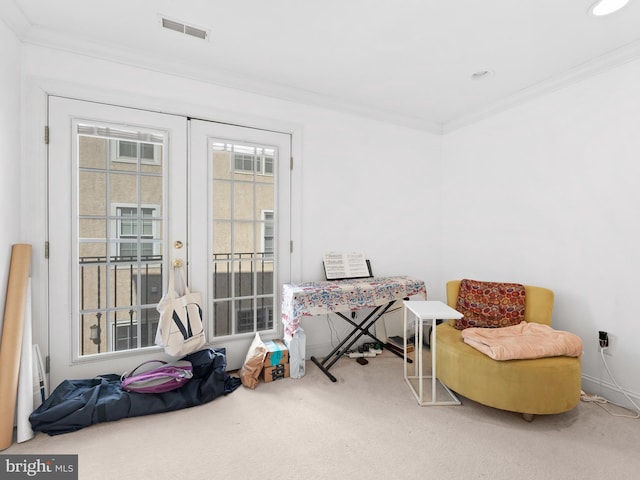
(318, 298)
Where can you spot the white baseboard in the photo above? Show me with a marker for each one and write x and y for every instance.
(322, 350)
(590, 384)
(318, 351)
(609, 391)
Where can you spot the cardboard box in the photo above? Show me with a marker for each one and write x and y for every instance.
(269, 374)
(277, 353)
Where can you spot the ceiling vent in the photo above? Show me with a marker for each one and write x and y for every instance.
(182, 27)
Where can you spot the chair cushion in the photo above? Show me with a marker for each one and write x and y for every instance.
(489, 304)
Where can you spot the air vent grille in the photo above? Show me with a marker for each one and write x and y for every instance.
(195, 32)
(171, 25)
(184, 28)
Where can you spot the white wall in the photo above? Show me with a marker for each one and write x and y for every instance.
(542, 194)
(359, 182)
(547, 194)
(371, 187)
(10, 115)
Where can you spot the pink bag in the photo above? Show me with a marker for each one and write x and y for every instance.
(165, 378)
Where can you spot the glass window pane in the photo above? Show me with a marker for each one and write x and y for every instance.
(265, 313)
(247, 240)
(92, 281)
(127, 149)
(92, 193)
(221, 200)
(244, 238)
(243, 201)
(92, 152)
(265, 195)
(152, 165)
(122, 155)
(243, 276)
(94, 332)
(123, 286)
(264, 276)
(221, 280)
(149, 318)
(120, 257)
(222, 164)
(123, 188)
(222, 318)
(151, 192)
(244, 316)
(147, 151)
(91, 228)
(221, 240)
(150, 289)
(268, 165)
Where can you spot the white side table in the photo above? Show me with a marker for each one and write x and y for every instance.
(429, 312)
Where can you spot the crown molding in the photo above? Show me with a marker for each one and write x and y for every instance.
(43, 37)
(626, 54)
(14, 19)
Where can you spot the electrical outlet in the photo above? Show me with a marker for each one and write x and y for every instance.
(603, 339)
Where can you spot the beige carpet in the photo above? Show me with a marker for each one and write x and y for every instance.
(366, 426)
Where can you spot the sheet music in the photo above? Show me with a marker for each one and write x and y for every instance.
(345, 265)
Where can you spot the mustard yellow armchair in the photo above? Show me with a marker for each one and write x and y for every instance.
(531, 387)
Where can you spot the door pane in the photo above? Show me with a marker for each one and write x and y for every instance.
(243, 193)
(243, 275)
(221, 240)
(265, 195)
(243, 238)
(243, 201)
(119, 239)
(221, 209)
(92, 152)
(91, 192)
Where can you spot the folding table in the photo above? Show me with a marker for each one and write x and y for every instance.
(340, 296)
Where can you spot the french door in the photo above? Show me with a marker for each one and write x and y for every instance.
(240, 244)
(130, 193)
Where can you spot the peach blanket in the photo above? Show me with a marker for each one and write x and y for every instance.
(525, 340)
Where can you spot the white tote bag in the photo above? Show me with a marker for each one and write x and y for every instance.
(180, 329)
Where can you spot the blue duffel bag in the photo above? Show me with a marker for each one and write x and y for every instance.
(75, 404)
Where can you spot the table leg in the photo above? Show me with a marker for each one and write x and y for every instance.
(404, 337)
(418, 348)
(432, 346)
(324, 370)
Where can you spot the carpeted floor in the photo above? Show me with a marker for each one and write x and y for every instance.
(366, 426)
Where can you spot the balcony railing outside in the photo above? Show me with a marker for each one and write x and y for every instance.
(118, 296)
(235, 290)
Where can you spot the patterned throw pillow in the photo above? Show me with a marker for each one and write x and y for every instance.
(489, 304)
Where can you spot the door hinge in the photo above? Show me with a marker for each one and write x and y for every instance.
(46, 249)
(46, 134)
(47, 364)
(291, 164)
(290, 246)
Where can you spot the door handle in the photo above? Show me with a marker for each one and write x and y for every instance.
(177, 263)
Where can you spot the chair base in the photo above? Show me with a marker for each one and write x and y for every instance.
(533, 387)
